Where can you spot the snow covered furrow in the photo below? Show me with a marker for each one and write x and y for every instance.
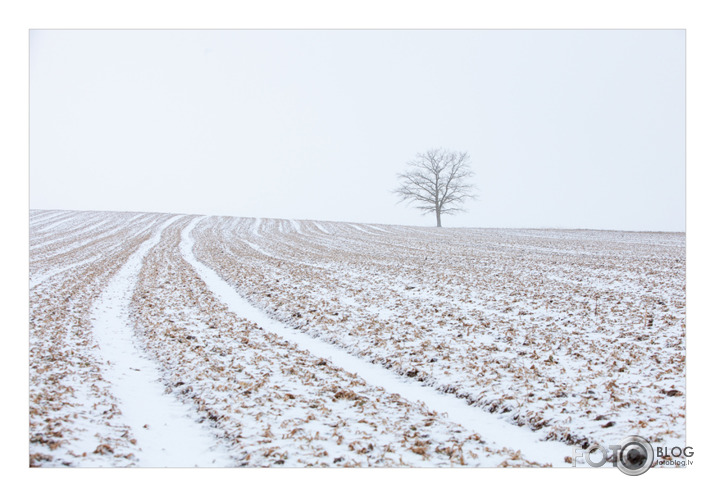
(38, 279)
(51, 236)
(321, 228)
(365, 334)
(65, 242)
(41, 216)
(73, 412)
(491, 429)
(479, 313)
(165, 434)
(296, 226)
(54, 219)
(74, 252)
(277, 404)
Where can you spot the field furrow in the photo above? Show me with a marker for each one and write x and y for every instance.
(277, 404)
(269, 342)
(577, 334)
(74, 417)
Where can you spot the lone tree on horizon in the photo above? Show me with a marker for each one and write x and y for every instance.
(436, 181)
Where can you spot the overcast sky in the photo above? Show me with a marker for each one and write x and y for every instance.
(566, 129)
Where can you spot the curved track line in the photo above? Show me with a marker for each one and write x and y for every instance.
(491, 428)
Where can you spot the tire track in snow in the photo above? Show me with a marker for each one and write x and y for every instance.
(490, 427)
(256, 227)
(321, 228)
(361, 229)
(296, 226)
(259, 249)
(167, 434)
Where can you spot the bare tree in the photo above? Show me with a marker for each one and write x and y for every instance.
(437, 181)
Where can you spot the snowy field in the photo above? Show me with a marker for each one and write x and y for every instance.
(177, 340)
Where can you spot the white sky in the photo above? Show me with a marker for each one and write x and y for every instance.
(566, 129)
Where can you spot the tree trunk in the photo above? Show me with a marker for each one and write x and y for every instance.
(439, 218)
